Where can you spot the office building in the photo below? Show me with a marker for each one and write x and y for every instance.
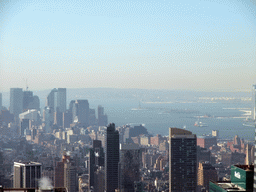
(27, 175)
(30, 101)
(206, 172)
(24, 124)
(59, 174)
(67, 119)
(182, 161)
(241, 180)
(16, 102)
(51, 98)
(65, 174)
(96, 161)
(102, 118)
(58, 118)
(57, 99)
(27, 98)
(80, 112)
(111, 158)
(70, 176)
(61, 100)
(48, 118)
(130, 163)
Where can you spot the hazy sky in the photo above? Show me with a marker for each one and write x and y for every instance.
(163, 44)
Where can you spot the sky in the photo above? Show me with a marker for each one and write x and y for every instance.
(204, 45)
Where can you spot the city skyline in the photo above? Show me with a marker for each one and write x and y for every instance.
(128, 44)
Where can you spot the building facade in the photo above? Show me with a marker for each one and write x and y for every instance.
(182, 161)
(27, 175)
(206, 172)
(16, 102)
(111, 158)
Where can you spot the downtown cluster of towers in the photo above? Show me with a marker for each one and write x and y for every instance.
(25, 106)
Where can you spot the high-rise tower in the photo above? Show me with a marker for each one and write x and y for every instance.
(61, 100)
(57, 99)
(102, 118)
(26, 175)
(16, 102)
(80, 112)
(30, 101)
(111, 158)
(182, 161)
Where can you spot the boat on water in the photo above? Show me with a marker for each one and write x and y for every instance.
(200, 124)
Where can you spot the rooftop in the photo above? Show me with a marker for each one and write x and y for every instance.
(228, 186)
(246, 167)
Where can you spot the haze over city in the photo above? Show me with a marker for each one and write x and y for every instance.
(190, 45)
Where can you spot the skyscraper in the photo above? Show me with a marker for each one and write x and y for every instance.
(55, 107)
(61, 100)
(96, 160)
(57, 99)
(27, 98)
(102, 118)
(70, 176)
(254, 102)
(30, 101)
(111, 158)
(27, 175)
(80, 112)
(16, 103)
(24, 124)
(182, 161)
(50, 100)
(65, 174)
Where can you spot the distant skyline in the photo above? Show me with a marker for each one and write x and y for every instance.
(190, 45)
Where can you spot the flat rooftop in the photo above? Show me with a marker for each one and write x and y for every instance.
(228, 186)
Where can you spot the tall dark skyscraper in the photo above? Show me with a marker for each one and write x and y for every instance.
(16, 102)
(182, 161)
(96, 160)
(111, 158)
